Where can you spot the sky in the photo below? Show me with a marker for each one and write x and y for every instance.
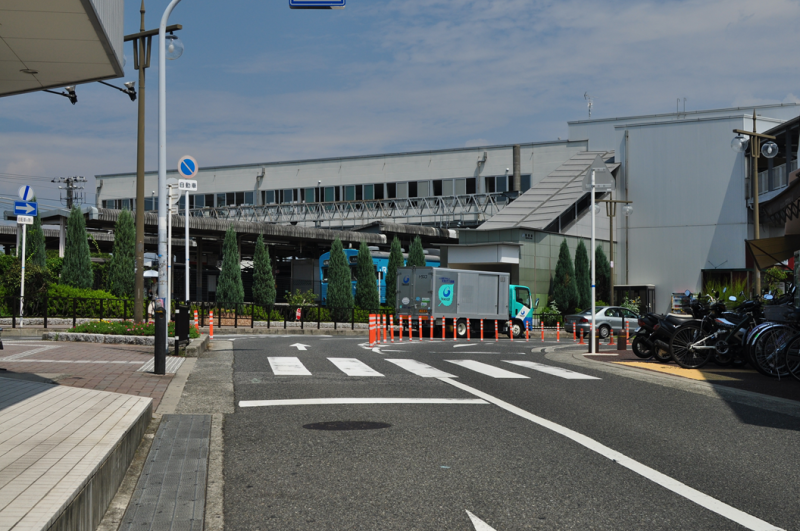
(259, 82)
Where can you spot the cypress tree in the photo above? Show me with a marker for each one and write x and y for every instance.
(583, 276)
(230, 289)
(366, 283)
(395, 261)
(340, 291)
(602, 275)
(37, 254)
(263, 281)
(416, 256)
(77, 269)
(122, 269)
(565, 288)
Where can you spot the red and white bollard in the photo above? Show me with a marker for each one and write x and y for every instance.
(496, 331)
(211, 324)
(511, 330)
(444, 326)
(419, 325)
(455, 328)
(542, 330)
(468, 338)
(481, 329)
(391, 327)
(410, 330)
(558, 332)
(527, 331)
(400, 319)
(196, 324)
(432, 322)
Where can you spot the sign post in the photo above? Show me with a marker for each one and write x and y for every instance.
(598, 179)
(25, 211)
(187, 168)
(173, 196)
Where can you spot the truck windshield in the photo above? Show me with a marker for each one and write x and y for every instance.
(523, 296)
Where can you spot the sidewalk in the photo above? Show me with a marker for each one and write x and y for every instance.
(65, 449)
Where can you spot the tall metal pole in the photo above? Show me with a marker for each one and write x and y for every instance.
(754, 151)
(594, 269)
(163, 205)
(186, 247)
(142, 62)
(22, 281)
(611, 209)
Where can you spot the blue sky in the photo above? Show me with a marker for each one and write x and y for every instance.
(260, 82)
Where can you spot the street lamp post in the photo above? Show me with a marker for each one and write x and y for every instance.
(611, 212)
(768, 150)
(142, 42)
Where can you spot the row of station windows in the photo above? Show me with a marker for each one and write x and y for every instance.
(330, 194)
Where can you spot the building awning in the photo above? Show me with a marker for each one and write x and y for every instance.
(770, 251)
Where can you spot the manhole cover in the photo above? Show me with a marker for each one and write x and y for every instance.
(341, 425)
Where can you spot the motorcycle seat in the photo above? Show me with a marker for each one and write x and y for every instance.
(678, 319)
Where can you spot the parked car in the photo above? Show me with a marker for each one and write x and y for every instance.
(607, 318)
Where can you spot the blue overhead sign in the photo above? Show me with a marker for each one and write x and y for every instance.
(316, 4)
(26, 208)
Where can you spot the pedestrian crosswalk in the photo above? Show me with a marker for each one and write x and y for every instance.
(292, 366)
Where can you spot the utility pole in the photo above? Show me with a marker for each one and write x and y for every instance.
(71, 185)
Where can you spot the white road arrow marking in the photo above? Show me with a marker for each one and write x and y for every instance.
(300, 346)
(479, 524)
(468, 345)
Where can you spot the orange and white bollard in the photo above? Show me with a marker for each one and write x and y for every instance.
(444, 326)
(574, 328)
(455, 328)
(391, 327)
(481, 329)
(385, 326)
(432, 322)
(527, 331)
(581, 334)
(211, 324)
(558, 332)
(468, 338)
(627, 331)
(511, 330)
(410, 330)
(496, 331)
(371, 330)
(196, 324)
(400, 320)
(419, 325)
(542, 330)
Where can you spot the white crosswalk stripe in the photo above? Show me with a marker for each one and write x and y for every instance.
(488, 370)
(421, 369)
(287, 366)
(555, 371)
(354, 367)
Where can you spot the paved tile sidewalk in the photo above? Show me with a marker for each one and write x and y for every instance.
(101, 367)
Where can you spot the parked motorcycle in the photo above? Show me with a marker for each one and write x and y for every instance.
(652, 337)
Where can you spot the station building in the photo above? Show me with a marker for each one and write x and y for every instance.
(509, 207)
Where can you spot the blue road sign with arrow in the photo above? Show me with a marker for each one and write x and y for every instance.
(26, 208)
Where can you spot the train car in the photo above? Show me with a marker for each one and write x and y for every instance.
(380, 260)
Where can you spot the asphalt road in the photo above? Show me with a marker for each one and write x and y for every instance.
(535, 447)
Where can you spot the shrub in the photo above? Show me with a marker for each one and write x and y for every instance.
(230, 289)
(77, 270)
(122, 267)
(340, 291)
(263, 280)
(565, 286)
(395, 261)
(127, 328)
(366, 283)
(416, 255)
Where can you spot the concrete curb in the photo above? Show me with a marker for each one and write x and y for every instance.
(99, 338)
(197, 346)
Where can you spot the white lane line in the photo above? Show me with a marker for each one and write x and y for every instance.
(349, 401)
(468, 345)
(173, 363)
(74, 361)
(29, 352)
(681, 489)
(421, 369)
(479, 524)
(488, 370)
(354, 367)
(288, 366)
(555, 371)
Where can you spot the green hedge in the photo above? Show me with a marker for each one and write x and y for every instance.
(60, 303)
(126, 329)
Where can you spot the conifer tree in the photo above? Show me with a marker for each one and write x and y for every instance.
(395, 261)
(366, 282)
(230, 289)
(77, 269)
(416, 256)
(583, 276)
(122, 269)
(602, 275)
(340, 290)
(565, 287)
(36, 252)
(263, 280)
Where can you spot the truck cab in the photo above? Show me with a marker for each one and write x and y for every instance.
(520, 309)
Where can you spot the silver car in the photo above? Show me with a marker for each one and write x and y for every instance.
(607, 318)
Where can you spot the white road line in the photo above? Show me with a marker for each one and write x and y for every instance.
(468, 345)
(349, 401)
(73, 361)
(354, 367)
(555, 371)
(29, 352)
(704, 500)
(171, 366)
(479, 524)
(421, 369)
(288, 367)
(488, 370)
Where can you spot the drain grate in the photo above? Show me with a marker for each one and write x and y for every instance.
(344, 425)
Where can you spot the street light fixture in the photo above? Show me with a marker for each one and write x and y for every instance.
(142, 47)
(174, 47)
(611, 212)
(769, 150)
(130, 88)
(70, 93)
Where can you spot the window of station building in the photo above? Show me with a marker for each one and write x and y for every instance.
(350, 193)
(151, 203)
(437, 188)
(501, 185)
(330, 194)
(447, 187)
(248, 198)
(286, 196)
(524, 183)
(460, 186)
(379, 191)
(182, 203)
(359, 192)
(391, 190)
(267, 197)
(472, 185)
(423, 188)
(488, 185)
(221, 200)
(402, 190)
(412, 189)
(369, 192)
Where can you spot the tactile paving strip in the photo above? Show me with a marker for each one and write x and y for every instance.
(171, 491)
